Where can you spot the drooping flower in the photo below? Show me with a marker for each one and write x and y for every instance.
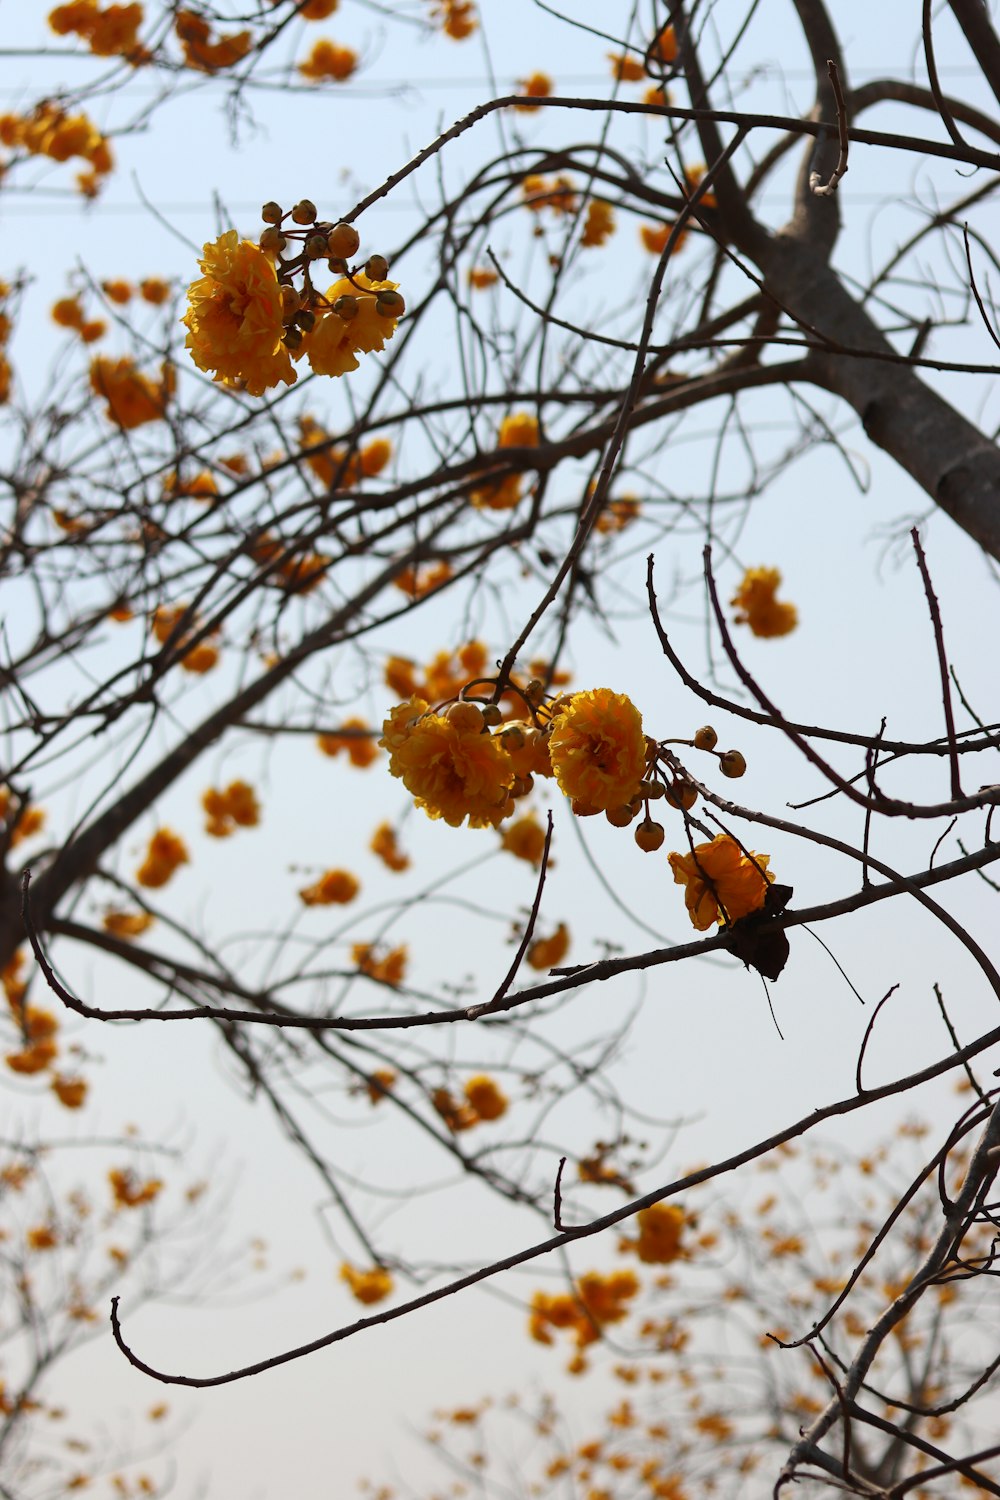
(721, 883)
(234, 317)
(757, 606)
(128, 1191)
(390, 968)
(598, 749)
(654, 238)
(385, 847)
(131, 398)
(455, 1114)
(71, 1092)
(450, 764)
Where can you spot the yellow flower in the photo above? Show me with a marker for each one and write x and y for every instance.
(485, 1097)
(327, 60)
(360, 747)
(128, 1191)
(536, 86)
(480, 277)
(132, 398)
(518, 430)
(165, 853)
(449, 763)
(384, 845)
(334, 342)
(546, 953)
(367, 1286)
(599, 224)
(389, 969)
(598, 749)
(660, 1230)
(334, 888)
(71, 1092)
(625, 68)
(234, 319)
(525, 839)
(722, 884)
(127, 924)
(757, 607)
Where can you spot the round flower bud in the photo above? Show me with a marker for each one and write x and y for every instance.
(304, 211)
(315, 246)
(705, 738)
(292, 337)
(389, 305)
(343, 240)
(583, 809)
(376, 268)
(492, 714)
(272, 241)
(731, 763)
(649, 835)
(306, 320)
(290, 302)
(464, 715)
(271, 212)
(651, 790)
(346, 307)
(337, 265)
(512, 738)
(620, 817)
(535, 690)
(682, 794)
(522, 785)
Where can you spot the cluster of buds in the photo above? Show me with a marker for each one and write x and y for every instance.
(303, 244)
(668, 780)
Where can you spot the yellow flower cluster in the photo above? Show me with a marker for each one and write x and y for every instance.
(454, 768)
(385, 967)
(131, 398)
(385, 846)
(484, 1100)
(547, 953)
(236, 807)
(128, 1191)
(127, 924)
(67, 312)
(38, 1029)
(328, 62)
(457, 18)
(558, 193)
(757, 606)
(661, 1227)
(535, 86)
(112, 32)
(166, 853)
(525, 839)
(24, 819)
(246, 319)
(599, 224)
(195, 36)
(597, 1300)
(721, 883)
(517, 430)
(333, 888)
(332, 465)
(359, 745)
(49, 131)
(200, 658)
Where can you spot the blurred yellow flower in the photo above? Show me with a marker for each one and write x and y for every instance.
(757, 606)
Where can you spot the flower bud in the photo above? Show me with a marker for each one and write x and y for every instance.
(389, 305)
(467, 716)
(705, 738)
(290, 302)
(346, 307)
(512, 738)
(682, 794)
(315, 246)
(651, 790)
(620, 817)
(649, 835)
(492, 714)
(376, 268)
(731, 763)
(522, 785)
(304, 211)
(272, 241)
(337, 265)
(292, 338)
(306, 320)
(271, 212)
(583, 809)
(343, 240)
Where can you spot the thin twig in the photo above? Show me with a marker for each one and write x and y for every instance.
(949, 714)
(817, 186)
